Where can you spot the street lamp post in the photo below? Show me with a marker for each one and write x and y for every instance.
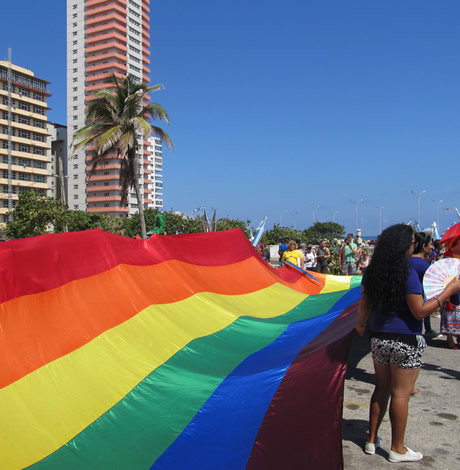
(437, 211)
(356, 203)
(333, 215)
(380, 218)
(314, 210)
(418, 196)
(294, 216)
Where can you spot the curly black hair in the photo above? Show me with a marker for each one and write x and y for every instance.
(387, 273)
(421, 239)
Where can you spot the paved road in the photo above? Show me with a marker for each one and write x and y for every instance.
(433, 427)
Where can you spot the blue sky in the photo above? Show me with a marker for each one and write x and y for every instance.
(278, 107)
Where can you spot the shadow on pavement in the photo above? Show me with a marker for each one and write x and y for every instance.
(360, 347)
(433, 367)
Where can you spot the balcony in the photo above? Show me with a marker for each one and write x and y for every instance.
(108, 47)
(106, 57)
(112, 166)
(106, 27)
(104, 199)
(110, 210)
(103, 38)
(94, 3)
(100, 86)
(105, 19)
(93, 79)
(95, 189)
(90, 12)
(94, 178)
(108, 65)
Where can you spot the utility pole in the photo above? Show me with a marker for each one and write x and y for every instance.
(10, 143)
(61, 182)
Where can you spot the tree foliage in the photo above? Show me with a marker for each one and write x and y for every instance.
(33, 215)
(228, 224)
(320, 230)
(275, 235)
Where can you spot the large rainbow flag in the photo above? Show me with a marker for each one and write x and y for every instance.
(180, 352)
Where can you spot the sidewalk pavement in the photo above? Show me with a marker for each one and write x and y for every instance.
(433, 424)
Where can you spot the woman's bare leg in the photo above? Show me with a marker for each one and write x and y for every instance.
(402, 384)
(379, 400)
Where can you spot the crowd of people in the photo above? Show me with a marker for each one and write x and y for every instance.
(353, 260)
(316, 258)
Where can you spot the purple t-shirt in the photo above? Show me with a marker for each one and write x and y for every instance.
(400, 318)
(420, 265)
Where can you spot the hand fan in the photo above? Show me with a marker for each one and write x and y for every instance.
(438, 275)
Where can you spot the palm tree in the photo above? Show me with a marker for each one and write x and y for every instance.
(114, 121)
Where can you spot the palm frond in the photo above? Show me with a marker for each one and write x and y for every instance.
(157, 112)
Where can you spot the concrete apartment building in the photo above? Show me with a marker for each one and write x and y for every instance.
(106, 37)
(58, 165)
(24, 140)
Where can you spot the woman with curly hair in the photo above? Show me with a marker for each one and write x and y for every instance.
(392, 293)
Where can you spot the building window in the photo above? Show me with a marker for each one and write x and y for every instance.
(75, 167)
(39, 137)
(23, 120)
(40, 165)
(24, 134)
(74, 70)
(75, 51)
(75, 98)
(74, 25)
(75, 79)
(75, 108)
(75, 177)
(74, 33)
(75, 186)
(74, 43)
(134, 22)
(134, 40)
(75, 128)
(75, 118)
(75, 206)
(74, 61)
(23, 148)
(74, 15)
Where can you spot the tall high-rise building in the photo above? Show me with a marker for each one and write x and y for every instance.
(24, 140)
(106, 37)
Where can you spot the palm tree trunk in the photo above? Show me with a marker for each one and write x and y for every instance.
(140, 203)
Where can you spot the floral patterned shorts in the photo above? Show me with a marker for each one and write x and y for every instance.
(397, 353)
